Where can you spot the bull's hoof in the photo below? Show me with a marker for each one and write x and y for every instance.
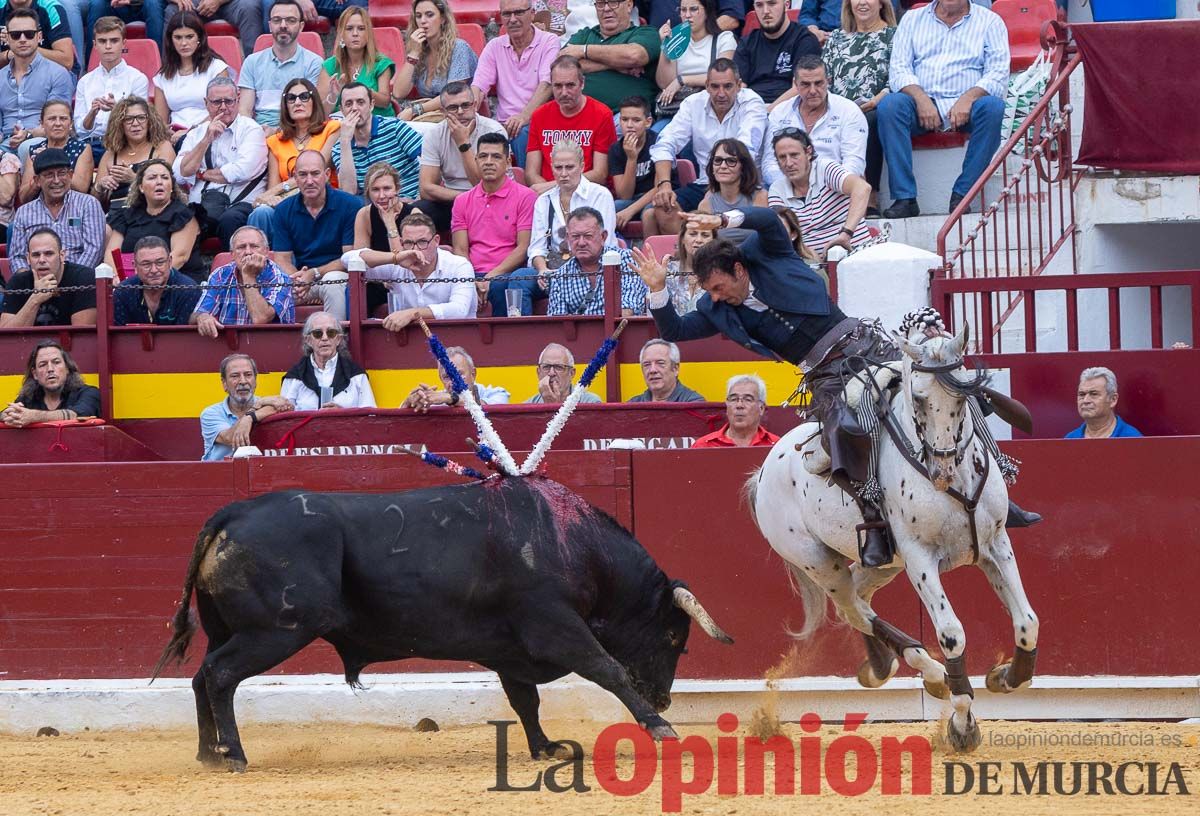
(997, 678)
(235, 765)
(939, 690)
(867, 678)
(964, 742)
(662, 732)
(553, 750)
(210, 758)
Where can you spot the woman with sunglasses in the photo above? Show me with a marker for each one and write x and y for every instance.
(188, 65)
(157, 206)
(59, 129)
(325, 377)
(356, 58)
(435, 57)
(135, 135)
(733, 182)
(303, 125)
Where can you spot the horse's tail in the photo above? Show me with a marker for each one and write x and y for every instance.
(812, 599)
(184, 624)
(749, 494)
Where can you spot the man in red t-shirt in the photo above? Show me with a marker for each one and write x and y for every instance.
(745, 402)
(569, 115)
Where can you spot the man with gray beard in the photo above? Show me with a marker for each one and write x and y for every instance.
(226, 426)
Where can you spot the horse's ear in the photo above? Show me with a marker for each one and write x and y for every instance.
(911, 349)
(959, 346)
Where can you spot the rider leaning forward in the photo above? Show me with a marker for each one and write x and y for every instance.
(764, 297)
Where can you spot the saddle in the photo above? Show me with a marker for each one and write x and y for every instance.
(846, 434)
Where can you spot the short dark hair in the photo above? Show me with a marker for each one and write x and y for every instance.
(150, 242)
(567, 61)
(43, 231)
(25, 14)
(496, 139)
(723, 64)
(796, 133)
(586, 212)
(640, 102)
(418, 219)
(350, 86)
(455, 88)
(808, 62)
(275, 3)
(715, 256)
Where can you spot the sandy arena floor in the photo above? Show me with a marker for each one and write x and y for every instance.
(335, 770)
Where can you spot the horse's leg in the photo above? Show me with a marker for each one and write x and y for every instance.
(1000, 567)
(881, 663)
(962, 731)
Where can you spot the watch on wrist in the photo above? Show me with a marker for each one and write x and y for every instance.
(848, 231)
(464, 147)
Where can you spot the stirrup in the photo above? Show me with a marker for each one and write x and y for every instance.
(888, 548)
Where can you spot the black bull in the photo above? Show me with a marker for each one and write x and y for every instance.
(521, 576)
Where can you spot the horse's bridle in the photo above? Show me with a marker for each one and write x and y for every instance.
(964, 389)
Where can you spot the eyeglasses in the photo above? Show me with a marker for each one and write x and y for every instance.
(284, 21)
(608, 3)
(515, 12)
(221, 103)
(26, 34)
(303, 96)
(732, 161)
(554, 367)
(735, 399)
(461, 107)
(157, 263)
(421, 244)
(137, 118)
(325, 334)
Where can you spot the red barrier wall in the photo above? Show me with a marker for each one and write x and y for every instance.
(90, 571)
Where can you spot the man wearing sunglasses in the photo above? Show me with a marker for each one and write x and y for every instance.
(28, 80)
(53, 38)
(266, 73)
(448, 163)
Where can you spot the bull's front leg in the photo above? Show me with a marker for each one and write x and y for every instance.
(524, 699)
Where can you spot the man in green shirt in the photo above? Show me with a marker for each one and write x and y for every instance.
(618, 57)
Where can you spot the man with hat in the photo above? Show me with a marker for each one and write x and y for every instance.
(76, 217)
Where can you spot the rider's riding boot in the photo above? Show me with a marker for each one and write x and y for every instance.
(874, 537)
(1020, 518)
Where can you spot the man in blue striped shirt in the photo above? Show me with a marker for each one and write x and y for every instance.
(949, 71)
(365, 139)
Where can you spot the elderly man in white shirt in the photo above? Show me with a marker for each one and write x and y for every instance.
(727, 110)
(225, 154)
(835, 124)
(423, 279)
(112, 80)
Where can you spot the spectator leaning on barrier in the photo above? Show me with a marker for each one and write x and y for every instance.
(266, 73)
(556, 376)
(618, 56)
(765, 57)
(226, 426)
(52, 390)
(249, 290)
(47, 269)
(949, 71)
(111, 81)
(569, 116)
(659, 360)
(76, 217)
(424, 397)
(365, 139)
(325, 377)
(745, 403)
(1096, 401)
(577, 287)
(143, 298)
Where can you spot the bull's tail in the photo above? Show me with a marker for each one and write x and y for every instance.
(184, 624)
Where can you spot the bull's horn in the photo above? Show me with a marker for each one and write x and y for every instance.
(686, 601)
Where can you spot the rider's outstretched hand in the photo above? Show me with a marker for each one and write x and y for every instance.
(649, 268)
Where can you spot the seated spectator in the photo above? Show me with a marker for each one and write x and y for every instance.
(135, 135)
(46, 268)
(424, 397)
(556, 377)
(822, 17)
(726, 111)
(225, 162)
(448, 160)
(423, 279)
(56, 124)
(188, 65)
(311, 231)
(577, 287)
(244, 15)
(365, 139)
(517, 65)
(795, 231)
(835, 125)
(356, 58)
(250, 290)
(112, 80)
(745, 403)
(52, 391)
(631, 166)
(435, 57)
(54, 42)
(548, 245)
(618, 55)
(377, 225)
(326, 377)
(570, 115)
(733, 183)
(303, 125)
(331, 10)
(765, 56)
(155, 207)
(492, 223)
(142, 298)
(28, 79)
(10, 181)
(687, 74)
(829, 200)
(958, 52)
(856, 57)
(728, 14)
(660, 369)
(266, 73)
(226, 426)
(684, 287)
(1097, 404)
(149, 12)
(76, 217)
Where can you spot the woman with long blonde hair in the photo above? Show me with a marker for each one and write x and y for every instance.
(435, 57)
(356, 58)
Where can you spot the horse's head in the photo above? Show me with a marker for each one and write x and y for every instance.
(937, 400)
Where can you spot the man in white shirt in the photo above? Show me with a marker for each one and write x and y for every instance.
(836, 125)
(112, 81)
(226, 155)
(422, 278)
(726, 111)
(266, 73)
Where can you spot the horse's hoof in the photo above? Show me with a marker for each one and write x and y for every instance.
(997, 677)
(662, 732)
(964, 742)
(867, 677)
(939, 690)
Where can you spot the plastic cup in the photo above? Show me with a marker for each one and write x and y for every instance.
(512, 297)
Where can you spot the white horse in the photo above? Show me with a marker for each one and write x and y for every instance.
(811, 522)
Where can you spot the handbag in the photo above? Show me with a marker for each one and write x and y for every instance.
(214, 202)
(557, 252)
(1024, 91)
(668, 109)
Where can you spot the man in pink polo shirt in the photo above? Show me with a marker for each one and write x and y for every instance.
(491, 223)
(517, 64)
